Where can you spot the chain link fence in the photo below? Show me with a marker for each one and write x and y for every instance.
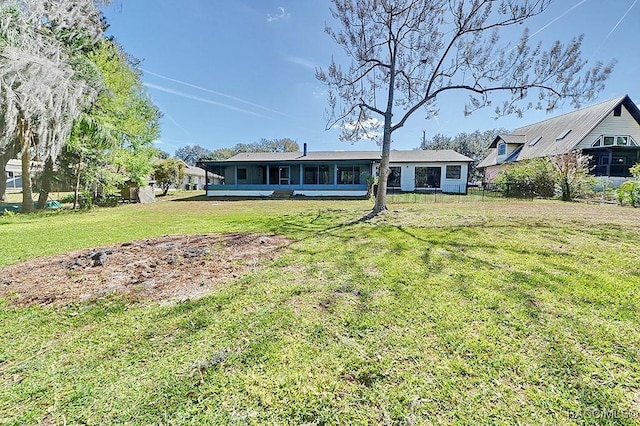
(454, 194)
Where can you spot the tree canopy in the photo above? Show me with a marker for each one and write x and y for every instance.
(474, 145)
(63, 85)
(405, 55)
(192, 154)
(44, 80)
(111, 142)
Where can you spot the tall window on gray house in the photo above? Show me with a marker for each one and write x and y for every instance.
(502, 149)
(318, 175)
(242, 173)
(348, 175)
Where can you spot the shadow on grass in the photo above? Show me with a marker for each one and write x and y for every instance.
(202, 197)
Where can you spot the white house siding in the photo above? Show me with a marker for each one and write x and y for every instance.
(408, 176)
(613, 126)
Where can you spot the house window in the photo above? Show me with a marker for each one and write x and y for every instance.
(454, 172)
(349, 175)
(242, 174)
(502, 149)
(427, 177)
(624, 140)
(393, 180)
(317, 175)
(617, 111)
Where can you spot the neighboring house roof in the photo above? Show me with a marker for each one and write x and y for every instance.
(560, 134)
(193, 171)
(417, 156)
(15, 165)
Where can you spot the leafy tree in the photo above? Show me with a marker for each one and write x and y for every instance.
(221, 154)
(274, 145)
(474, 145)
(111, 141)
(572, 175)
(163, 155)
(192, 154)
(265, 145)
(168, 173)
(410, 53)
(44, 81)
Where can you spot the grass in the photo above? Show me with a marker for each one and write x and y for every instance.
(474, 313)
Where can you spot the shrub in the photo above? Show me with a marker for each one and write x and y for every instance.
(629, 192)
(85, 200)
(527, 179)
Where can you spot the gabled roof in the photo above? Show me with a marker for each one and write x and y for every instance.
(193, 171)
(560, 134)
(441, 155)
(511, 139)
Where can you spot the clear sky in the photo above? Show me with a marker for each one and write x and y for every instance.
(235, 71)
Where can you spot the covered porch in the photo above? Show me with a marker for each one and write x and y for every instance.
(302, 179)
(613, 161)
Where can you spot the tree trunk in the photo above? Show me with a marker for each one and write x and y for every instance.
(25, 143)
(3, 177)
(45, 185)
(383, 170)
(27, 196)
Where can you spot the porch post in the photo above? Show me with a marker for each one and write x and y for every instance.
(268, 174)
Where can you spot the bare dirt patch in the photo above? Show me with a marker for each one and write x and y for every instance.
(159, 269)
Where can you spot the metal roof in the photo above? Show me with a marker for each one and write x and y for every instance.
(560, 134)
(415, 156)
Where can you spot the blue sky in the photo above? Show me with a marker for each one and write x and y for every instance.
(236, 71)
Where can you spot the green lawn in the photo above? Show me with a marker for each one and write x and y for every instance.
(471, 312)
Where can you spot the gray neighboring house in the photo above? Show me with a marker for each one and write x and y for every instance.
(194, 177)
(334, 173)
(608, 131)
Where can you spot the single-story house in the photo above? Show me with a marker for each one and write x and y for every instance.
(609, 132)
(334, 173)
(194, 177)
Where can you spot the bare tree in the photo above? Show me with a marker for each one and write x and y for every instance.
(406, 54)
(43, 87)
